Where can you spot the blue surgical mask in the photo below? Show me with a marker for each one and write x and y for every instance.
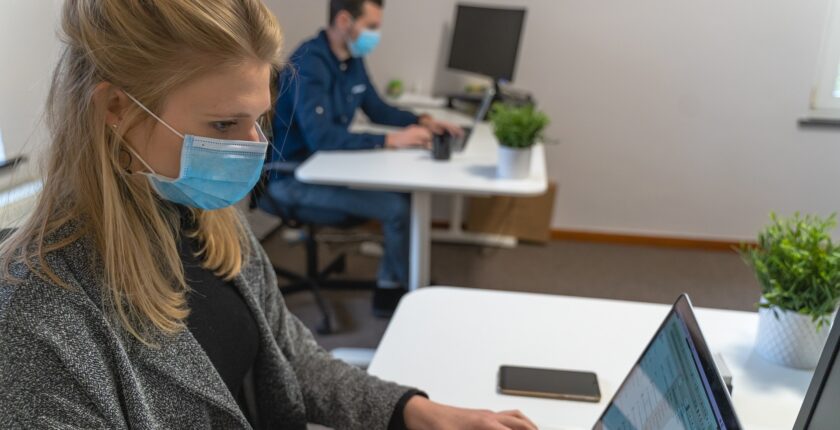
(215, 173)
(367, 41)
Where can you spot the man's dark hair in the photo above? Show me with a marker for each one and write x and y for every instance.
(355, 7)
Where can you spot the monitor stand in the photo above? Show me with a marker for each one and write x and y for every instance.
(503, 93)
(473, 99)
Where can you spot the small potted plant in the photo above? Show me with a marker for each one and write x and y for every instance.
(798, 267)
(518, 128)
(395, 89)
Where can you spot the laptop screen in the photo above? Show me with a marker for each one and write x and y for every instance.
(667, 388)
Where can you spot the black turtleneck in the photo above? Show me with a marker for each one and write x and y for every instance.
(223, 325)
(219, 319)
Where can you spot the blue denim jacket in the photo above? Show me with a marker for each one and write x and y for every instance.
(318, 96)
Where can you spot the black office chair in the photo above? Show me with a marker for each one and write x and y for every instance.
(311, 220)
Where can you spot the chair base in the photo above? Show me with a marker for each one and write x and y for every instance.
(315, 281)
(320, 282)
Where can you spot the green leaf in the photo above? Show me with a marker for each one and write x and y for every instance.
(518, 127)
(797, 265)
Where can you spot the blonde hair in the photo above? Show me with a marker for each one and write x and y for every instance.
(146, 48)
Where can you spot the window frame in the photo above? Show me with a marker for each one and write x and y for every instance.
(825, 97)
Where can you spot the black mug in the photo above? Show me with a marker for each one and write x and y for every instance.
(442, 147)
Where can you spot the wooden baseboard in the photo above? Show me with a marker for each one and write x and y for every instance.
(635, 239)
(660, 241)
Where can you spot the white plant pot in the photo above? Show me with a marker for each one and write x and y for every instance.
(791, 340)
(514, 163)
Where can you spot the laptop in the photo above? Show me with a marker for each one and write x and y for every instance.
(819, 409)
(459, 145)
(675, 384)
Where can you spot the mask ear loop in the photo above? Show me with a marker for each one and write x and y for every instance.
(126, 167)
(153, 115)
(131, 150)
(262, 137)
(141, 160)
(127, 153)
(131, 153)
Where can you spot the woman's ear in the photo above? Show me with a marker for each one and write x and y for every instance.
(111, 101)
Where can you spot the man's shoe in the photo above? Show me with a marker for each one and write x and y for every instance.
(385, 301)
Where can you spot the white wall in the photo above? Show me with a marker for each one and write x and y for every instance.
(301, 19)
(28, 52)
(675, 117)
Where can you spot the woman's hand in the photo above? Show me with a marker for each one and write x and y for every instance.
(422, 414)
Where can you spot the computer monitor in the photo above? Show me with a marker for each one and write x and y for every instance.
(486, 41)
(819, 410)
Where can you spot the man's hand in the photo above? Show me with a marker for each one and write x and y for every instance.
(422, 414)
(441, 127)
(411, 137)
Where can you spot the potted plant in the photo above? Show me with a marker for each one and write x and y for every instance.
(798, 267)
(517, 128)
(395, 89)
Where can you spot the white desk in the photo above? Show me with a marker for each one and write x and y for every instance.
(18, 202)
(472, 172)
(466, 334)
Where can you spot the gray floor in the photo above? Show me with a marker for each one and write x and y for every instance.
(627, 272)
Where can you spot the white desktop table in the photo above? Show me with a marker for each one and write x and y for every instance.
(18, 202)
(472, 172)
(466, 334)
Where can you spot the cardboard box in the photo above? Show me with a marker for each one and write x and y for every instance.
(526, 218)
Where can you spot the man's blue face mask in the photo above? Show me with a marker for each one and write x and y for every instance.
(366, 43)
(215, 173)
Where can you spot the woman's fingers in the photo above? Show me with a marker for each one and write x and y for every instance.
(515, 423)
(520, 415)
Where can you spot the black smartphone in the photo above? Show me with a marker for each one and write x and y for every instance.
(549, 383)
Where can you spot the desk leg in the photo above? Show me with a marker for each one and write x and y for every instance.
(456, 215)
(421, 213)
(456, 234)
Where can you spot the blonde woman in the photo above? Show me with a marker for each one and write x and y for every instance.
(134, 296)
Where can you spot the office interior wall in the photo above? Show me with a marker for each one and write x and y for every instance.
(301, 19)
(674, 118)
(28, 52)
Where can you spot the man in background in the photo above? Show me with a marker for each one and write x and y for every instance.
(320, 90)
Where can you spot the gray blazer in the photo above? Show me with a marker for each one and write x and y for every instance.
(63, 364)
